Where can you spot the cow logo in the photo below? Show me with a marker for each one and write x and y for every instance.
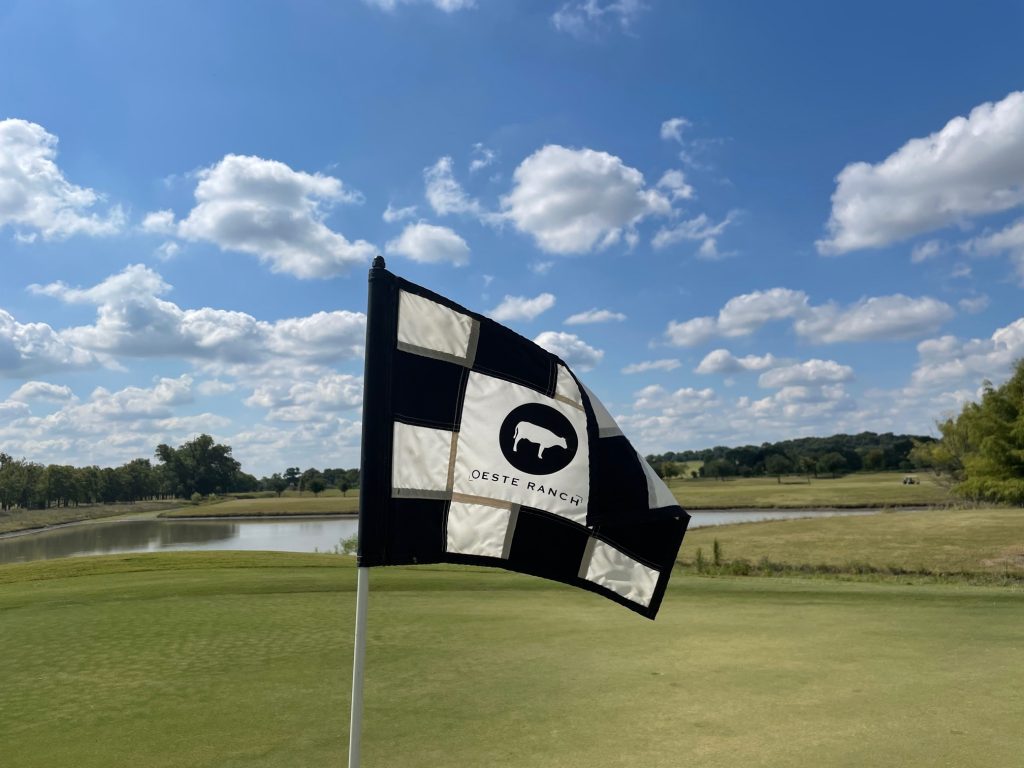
(537, 439)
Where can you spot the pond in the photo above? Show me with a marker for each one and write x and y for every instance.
(275, 534)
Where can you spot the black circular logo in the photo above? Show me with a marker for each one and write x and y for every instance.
(537, 439)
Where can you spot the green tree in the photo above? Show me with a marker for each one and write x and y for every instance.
(60, 485)
(138, 480)
(808, 465)
(12, 481)
(874, 459)
(832, 464)
(277, 484)
(308, 477)
(720, 468)
(777, 465)
(110, 485)
(982, 449)
(200, 466)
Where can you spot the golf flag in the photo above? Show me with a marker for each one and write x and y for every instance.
(480, 447)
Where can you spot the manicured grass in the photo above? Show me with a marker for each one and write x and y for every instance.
(243, 659)
(936, 540)
(876, 489)
(27, 519)
(867, 489)
(308, 504)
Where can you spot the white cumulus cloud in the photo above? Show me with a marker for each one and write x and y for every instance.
(522, 308)
(1009, 240)
(142, 403)
(392, 214)
(672, 129)
(36, 198)
(445, 194)
(691, 333)
(430, 244)
(665, 364)
(576, 200)
(133, 321)
(948, 359)
(971, 167)
(159, 222)
(581, 19)
(809, 372)
(876, 318)
(305, 401)
(263, 207)
(110, 426)
(482, 158)
(723, 361)
(744, 314)
(42, 390)
(675, 182)
(594, 316)
(30, 349)
(972, 305)
(926, 250)
(680, 401)
(699, 228)
(576, 353)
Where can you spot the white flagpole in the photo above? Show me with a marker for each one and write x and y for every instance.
(374, 467)
(358, 660)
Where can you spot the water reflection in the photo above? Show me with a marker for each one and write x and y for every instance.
(276, 535)
(730, 516)
(167, 535)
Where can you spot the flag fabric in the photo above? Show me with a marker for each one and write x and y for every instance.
(482, 448)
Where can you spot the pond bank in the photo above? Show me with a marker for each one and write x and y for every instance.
(284, 533)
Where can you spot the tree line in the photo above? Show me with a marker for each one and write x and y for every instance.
(830, 456)
(197, 468)
(981, 451)
(313, 480)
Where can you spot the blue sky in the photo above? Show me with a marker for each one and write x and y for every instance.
(739, 222)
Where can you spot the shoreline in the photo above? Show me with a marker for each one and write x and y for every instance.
(131, 517)
(161, 515)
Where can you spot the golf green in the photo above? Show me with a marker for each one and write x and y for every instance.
(241, 659)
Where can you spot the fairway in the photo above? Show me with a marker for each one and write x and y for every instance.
(23, 519)
(861, 489)
(240, 659)
(986, 541)
(290, 504)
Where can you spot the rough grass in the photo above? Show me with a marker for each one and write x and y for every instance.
(937, 541)
(242, 659)
(863, 489)
(28, 519)
(307, 504)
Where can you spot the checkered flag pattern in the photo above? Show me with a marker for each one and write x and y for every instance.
(479, 447)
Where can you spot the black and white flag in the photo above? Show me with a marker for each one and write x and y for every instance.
(479, 447)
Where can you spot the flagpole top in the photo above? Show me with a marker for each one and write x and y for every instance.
(378, 262)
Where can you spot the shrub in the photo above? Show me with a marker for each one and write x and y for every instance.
(740, 567)
(348, 546)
